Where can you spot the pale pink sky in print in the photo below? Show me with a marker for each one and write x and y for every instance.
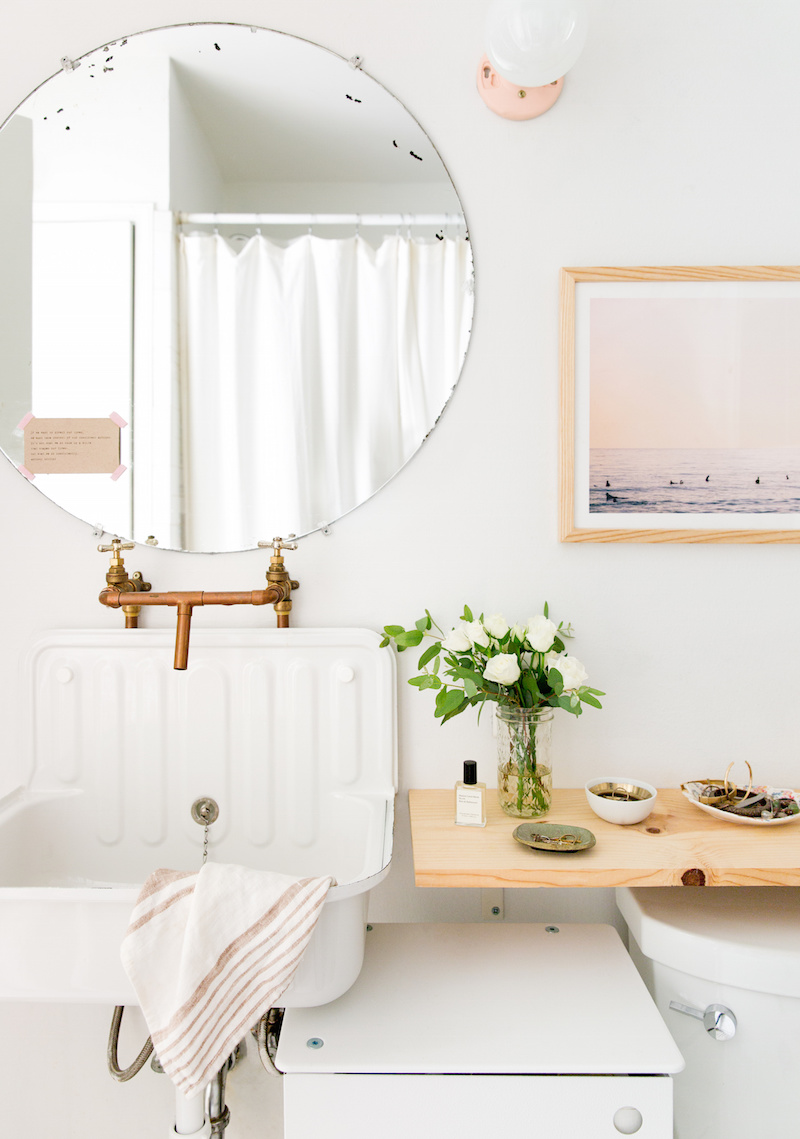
(707, 372)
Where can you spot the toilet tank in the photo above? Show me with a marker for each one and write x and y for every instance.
(738, 947)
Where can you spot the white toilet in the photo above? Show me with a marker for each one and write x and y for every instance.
(736, 948)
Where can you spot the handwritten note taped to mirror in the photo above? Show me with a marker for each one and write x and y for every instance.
(71, 446)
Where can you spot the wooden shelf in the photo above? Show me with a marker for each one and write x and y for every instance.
(678, 844)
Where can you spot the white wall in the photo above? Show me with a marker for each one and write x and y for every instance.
(195, 181)
(16, 184)
(674, 143)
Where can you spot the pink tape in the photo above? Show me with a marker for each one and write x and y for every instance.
(121, 469)
(23, 423)
(24, 471)
(120, 422)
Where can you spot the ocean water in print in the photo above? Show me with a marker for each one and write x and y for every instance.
(694, 480)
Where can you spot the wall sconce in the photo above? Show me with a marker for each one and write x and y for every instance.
(531, 44)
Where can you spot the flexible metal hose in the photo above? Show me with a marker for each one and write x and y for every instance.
(267, 1033)
(123, 1074)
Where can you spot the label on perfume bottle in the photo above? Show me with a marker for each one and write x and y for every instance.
(469, 807)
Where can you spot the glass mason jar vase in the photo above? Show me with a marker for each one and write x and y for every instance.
(524, 765)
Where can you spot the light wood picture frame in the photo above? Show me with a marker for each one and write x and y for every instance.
(680, 404)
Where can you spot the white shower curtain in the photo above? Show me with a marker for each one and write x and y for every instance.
(309, 373)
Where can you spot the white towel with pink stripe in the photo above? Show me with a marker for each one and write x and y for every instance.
(209, 952)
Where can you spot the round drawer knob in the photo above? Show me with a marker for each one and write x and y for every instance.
(345, 673)
(64, 675)
(628, 1120)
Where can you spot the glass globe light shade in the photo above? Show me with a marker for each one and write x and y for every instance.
(534, 42)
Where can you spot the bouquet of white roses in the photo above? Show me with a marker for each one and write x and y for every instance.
(518, 666)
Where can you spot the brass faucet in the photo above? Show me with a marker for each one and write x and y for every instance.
(277, 593)
(277, 574)
(117, 578)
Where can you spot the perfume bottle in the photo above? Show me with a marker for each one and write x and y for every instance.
(470, 798)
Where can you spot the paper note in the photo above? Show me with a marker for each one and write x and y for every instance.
(71, 446)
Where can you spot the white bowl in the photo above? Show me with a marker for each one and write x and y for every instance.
(622, 812)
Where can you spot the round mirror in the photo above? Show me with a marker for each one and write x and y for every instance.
(237, 286)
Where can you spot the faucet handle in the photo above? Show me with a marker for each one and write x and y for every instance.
(278, 544)
(117, 545)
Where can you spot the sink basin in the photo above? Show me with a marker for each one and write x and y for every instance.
(299, 794)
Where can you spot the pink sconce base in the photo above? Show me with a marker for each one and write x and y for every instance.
(511, 101)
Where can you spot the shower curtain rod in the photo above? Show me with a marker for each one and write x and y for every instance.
(320, 219)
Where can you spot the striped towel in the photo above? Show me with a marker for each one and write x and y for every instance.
(209, 952)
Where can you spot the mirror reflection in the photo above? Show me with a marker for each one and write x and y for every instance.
(246, 250)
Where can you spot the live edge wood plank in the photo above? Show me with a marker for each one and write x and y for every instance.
(676, 845)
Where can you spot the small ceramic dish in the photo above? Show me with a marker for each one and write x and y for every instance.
(621, 801)
(694, 793)
(557, 837)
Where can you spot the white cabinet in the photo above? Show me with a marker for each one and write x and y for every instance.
(460, 1107)
(458, 1030)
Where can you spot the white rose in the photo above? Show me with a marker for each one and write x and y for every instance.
(541, 633)
(518, 632)
(457, 641)
(477, 634)
(502, 669)
(572, 671)
(496, 625)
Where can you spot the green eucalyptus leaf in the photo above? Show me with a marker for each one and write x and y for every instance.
(456, 712)
(587, 698)
(423, 624)
(431, 652)
(556, 681)
(448, 700)
(470, 687)
(565, 703)
(467, 614)
(424, 682)
(546, 609)
(529, 684)
(407, 640)
(393, 630)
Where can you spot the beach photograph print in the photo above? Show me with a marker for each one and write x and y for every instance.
(694, 405)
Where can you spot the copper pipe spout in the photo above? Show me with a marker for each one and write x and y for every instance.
(185, 603)
(182, 631)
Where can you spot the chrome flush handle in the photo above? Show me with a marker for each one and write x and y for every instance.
(718, 1020)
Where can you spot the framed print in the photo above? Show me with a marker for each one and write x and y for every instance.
(680, 404)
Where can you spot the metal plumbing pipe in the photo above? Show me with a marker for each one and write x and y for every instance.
(123, 1074)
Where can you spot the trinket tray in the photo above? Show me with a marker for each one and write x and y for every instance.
(691, 791)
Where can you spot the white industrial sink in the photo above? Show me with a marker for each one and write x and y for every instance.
(291, 732)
